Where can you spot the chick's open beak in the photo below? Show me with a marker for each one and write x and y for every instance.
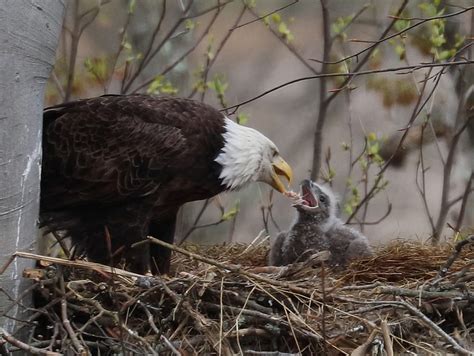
(283, 169)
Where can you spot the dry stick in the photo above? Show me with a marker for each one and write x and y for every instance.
(77, 264)
(31, 350)
(323, 313)
(201, 323)
(458, 348)
(67, 324)
(362, 349)
(232, 268)
(401, 304)
(170, 345)
(62, 244)
(457, 251)
(241, 311)
(156, 330)
(221, 316)
(404, 292)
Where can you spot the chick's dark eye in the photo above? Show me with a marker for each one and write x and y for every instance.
(322, 199)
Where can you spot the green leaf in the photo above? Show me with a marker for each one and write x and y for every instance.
(161, 86)
(98, 67)
(400, 25)
(266, 20)
(218, 84)
(443, 55)
(400, 50)
(132, 4)
(339, 26)
(285, 31)
(428, 9)
(189, 24)
(276, 18)
(127, 45)
(242, 118)
(371, 137)
(230, 214)
(250, 3)
(438, 40)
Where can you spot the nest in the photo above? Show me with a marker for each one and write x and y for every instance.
(408, 297)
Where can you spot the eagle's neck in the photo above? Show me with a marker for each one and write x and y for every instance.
(242, 155)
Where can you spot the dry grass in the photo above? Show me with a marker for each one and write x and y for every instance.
(224, 300)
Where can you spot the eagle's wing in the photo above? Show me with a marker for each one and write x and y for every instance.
(112, 147)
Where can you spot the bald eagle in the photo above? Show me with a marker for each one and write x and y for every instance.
(117, 168)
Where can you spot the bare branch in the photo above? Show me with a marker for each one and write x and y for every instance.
(348, 75)
(395, 18)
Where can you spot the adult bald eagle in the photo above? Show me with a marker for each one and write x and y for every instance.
(126, 164)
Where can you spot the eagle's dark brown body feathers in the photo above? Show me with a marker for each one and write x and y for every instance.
(128, 163)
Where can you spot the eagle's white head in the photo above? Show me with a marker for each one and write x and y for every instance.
(248, 156)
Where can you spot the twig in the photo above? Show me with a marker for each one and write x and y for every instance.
(323, 102)
(427, 321)
(349, 75)
(458, 348)
(465, 197)
(232, 268)
(266, 15)
(201, 323)
(420, 293)
(457, 251)
(422, 187)
(151, 54)
(184, 55)
(444, 210)
(288, 45)
(364, 348)
(31, 350)
(395, 18)
(76, 263)
(67, 324)
(170, 345)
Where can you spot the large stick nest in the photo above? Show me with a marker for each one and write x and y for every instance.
(408, 297)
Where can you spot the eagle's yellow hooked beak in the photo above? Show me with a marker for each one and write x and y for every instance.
(280, 168)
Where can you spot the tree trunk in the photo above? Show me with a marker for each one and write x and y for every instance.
(29, 33)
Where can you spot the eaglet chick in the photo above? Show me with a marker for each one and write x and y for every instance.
(317, 228)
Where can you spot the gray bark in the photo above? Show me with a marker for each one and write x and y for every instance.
(29, 34)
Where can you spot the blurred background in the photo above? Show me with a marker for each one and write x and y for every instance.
(226, 52)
